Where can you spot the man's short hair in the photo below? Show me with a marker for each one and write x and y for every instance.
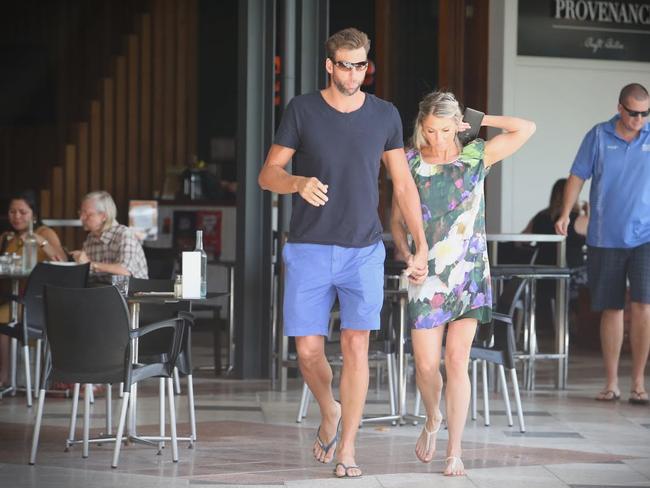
(348, 39)
(634, 90)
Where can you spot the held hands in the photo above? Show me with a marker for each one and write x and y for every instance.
(313, 191)
(417, 268)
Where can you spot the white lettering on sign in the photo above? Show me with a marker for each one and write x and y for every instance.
(598, 43)
(603, 11)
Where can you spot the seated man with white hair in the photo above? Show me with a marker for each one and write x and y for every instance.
(110, 247)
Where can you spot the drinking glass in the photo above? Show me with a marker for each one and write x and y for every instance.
(121, 282)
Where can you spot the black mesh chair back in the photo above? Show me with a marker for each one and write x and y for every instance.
(70, 276)
(155, 344)
(510, 295)
(501, 328)
(88, 334)
(160, 262)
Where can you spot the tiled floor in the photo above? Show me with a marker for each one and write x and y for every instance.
(248, 436)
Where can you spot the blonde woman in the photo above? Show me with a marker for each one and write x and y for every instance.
(456, 295)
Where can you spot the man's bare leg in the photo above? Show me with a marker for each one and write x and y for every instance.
(640, 342)
(353, 389)
(611, 340)
(317, 373)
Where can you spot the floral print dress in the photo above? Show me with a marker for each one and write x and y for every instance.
(453, 211)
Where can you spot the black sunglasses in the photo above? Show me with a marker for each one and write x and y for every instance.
(348, 66)
(634, 113)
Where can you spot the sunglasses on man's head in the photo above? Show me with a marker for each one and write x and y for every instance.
(348, 66)
(635, 113)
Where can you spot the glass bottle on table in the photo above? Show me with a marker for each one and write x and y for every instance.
(30, 249)
(204, 263)
(178, 286)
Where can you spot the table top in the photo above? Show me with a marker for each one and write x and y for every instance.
(525, 238)
(14, 275)
(529, 271)
(159, 298)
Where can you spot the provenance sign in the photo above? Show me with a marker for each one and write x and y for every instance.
(587, 29)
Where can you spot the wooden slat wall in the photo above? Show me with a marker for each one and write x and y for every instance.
(139, 118)
(57, 190)
(121, 100)
(145, 106)
(70, 186)
(169, 82)
(192, 76)
(46, 204)
(181, 82)
(108, 133)
(158, 95)
(133, 102)
(95, 162)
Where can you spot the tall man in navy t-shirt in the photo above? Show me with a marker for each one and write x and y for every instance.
(616, 156)
(337, 138)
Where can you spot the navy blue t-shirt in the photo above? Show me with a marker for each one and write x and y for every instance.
(342, 150)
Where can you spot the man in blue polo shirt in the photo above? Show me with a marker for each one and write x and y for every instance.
(337, 138)
(616, 156)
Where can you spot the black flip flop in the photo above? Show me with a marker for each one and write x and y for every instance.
(332, 444)
(636, 398)
(345, 471)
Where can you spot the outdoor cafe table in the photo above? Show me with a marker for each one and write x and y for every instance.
(14, 277)
(561, 353)
(153, 298)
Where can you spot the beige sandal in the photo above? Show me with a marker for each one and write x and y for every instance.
(455, 466)
(430, 446)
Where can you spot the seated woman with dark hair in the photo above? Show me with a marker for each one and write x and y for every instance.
(544, 223)
(22, 210)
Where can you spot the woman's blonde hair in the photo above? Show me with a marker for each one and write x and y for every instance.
(104, 203)
(439, 104)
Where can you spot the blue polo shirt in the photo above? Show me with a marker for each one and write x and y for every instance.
(619, 198)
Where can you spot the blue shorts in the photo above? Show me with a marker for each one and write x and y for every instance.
(315, 274)
(609, 269)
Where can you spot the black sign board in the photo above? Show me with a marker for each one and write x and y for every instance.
(587, 29)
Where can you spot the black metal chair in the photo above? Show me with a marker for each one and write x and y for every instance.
(495, 344)
(32, 324)
(161, 262)
(154, 345)
(90, 341)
